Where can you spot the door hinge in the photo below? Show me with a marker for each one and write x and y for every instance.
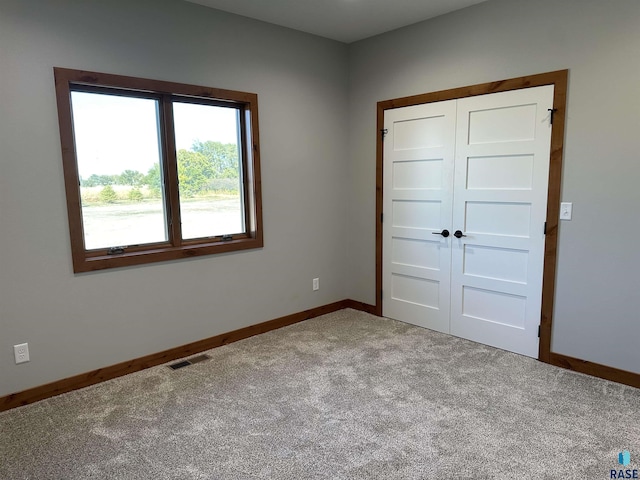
(383, 133)
(381, 217)
(545, 228)
(539, 331)
(552, 110)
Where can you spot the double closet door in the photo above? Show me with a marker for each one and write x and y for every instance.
(464, 209)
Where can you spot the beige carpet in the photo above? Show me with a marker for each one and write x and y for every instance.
(344, 396)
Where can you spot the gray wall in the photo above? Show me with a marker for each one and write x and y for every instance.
(77, 323)
(597, 302)
(317, 125)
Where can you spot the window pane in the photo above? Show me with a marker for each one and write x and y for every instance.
(209, 170)
(119, 164)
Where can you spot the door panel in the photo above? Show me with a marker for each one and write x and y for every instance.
(497, 217)
(418, 183)
(496, 263)
(500, 201)
(427, 131)
(489, 123)
(495, 307)
(479, 165)
(503, 172)
(418, 213)
(417, 174)
(415, 290)
(416, 252)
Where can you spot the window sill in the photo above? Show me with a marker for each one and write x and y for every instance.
(161, 254)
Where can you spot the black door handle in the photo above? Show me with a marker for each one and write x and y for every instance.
(459, 234)
(444, 233)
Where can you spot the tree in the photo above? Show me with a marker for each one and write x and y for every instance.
(108, 194)
(96, 180)
(92, 181)
(131, 177)
(197, 168)
(153, 179)
(223, 157)
(194, 172)
(135, 195)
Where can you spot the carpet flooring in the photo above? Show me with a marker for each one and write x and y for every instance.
(344, 396)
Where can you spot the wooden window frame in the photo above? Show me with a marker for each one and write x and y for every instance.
(68, 80)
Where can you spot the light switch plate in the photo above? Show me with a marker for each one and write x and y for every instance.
(566, 209)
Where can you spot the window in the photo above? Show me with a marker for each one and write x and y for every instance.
(156, 170)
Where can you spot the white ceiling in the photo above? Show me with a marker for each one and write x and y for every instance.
(343, 20)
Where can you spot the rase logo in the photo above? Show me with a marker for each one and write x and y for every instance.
(624, 459)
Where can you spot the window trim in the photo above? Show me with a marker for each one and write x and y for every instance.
(68, 80)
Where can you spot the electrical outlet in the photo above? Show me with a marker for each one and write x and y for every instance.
(21, 352)
(316, 284)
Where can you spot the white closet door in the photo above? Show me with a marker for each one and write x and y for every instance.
(418, 181)
(500, 202)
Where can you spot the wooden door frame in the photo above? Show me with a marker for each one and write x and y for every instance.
(559, 80)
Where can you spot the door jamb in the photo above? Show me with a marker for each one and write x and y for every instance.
(559, 80)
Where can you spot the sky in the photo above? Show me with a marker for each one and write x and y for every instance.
(114, 133)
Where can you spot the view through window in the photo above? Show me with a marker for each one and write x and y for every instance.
(119, 156)
(157, 170)
(208, 169)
